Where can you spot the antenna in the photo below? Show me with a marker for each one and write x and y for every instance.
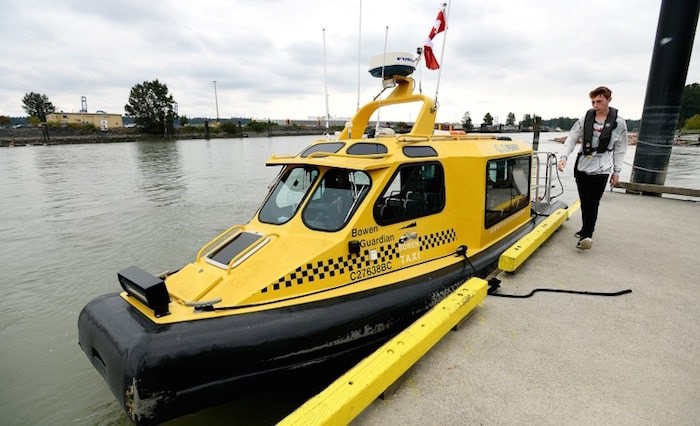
(359, 55)
(325, 80)
(386, 37)
(216, 99)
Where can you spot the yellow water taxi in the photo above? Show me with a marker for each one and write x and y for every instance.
(355, 240)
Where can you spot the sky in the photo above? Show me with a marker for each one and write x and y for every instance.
(267, 57)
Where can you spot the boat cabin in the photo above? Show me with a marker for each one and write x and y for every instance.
(355, 213)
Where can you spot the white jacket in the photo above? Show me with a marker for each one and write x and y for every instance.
(602, 163)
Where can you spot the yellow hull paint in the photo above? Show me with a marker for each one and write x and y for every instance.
(519, 252)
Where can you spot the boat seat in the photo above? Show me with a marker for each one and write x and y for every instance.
(433, 202)
(414, 205)
(392, 208)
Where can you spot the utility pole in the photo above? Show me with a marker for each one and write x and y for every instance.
(216, 99)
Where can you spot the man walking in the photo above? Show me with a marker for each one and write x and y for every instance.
(603, 147)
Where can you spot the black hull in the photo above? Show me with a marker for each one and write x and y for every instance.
(159, 372)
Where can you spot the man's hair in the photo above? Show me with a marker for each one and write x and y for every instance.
(601, 90)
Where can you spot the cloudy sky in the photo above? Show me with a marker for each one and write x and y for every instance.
(267, 56)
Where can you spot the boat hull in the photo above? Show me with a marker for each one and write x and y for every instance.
(158, 372)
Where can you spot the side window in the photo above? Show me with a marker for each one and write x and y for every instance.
(507, 188)
(416, 190)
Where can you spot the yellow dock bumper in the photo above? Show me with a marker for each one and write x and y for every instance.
(351, 393)
(518, 253)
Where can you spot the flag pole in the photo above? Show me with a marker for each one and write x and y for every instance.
(446, 13)
(419, 54)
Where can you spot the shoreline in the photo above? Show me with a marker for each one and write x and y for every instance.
(33, 136)
(16, 137)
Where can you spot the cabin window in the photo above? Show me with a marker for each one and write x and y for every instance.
(419, 151)
(288, 192)
(507, 188)
(336, 198)
(363, 148)
(416, 190)
(330, 147)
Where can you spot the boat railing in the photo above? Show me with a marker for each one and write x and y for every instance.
(408, 138)
(319, 154)
(544, 168)
(224, 235)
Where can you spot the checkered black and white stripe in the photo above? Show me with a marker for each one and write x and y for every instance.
(330, 268)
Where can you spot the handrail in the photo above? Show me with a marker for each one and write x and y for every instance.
(281, 157)
(550, 164)
(412, 139)
(218, 238)
(409, 138)
(335, 154)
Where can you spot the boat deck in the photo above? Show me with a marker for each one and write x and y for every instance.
(575, 359)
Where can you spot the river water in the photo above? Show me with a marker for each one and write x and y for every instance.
(73, 215)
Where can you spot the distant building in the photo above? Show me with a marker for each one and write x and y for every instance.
(99, 119)
(312, 122)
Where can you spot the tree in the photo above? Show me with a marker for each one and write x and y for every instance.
(184, 120)
(690, 103)
(5, 120)
(632, 125)
(488, 119)
(37, 105)
(151, 107)
(256, 126)
(510, 121)
(467, 121)
(528, 121)
(229, 127)
(693, 123)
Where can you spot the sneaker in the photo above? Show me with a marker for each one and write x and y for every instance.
(584, 243)
(578, 234)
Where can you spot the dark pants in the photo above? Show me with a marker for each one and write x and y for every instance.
(590, 191)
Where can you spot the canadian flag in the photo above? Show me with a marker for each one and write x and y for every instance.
(438, 27)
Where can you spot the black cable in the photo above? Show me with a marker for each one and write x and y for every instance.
(495, 283)
(462, 251)
(554, 290)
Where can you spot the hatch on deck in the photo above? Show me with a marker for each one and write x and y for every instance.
(223, 255)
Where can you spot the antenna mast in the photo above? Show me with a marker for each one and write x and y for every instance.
(359, 55)
(325, 81)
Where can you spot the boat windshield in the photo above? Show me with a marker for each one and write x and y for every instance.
(336, 198)
(288, 192)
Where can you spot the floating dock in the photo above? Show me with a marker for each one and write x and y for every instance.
(570, 359)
